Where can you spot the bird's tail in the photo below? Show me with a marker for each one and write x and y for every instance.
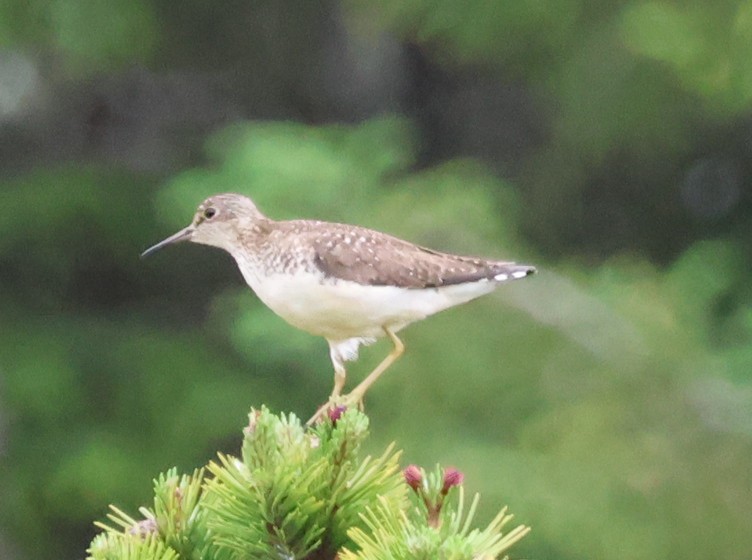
(513, 271)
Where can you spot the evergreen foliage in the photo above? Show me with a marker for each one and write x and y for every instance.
(300, 493)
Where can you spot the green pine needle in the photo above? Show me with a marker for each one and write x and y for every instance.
(304, 494)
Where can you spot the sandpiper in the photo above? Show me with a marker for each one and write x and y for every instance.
(346, 283)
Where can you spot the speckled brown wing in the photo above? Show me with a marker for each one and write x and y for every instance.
(374, 258)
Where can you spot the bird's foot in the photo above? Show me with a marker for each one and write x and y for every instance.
(335, 406)
(320, 414)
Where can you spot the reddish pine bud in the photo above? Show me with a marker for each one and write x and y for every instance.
(336, 413)
(452, 477)
(253, 417)
(144, 528)
(413, 477)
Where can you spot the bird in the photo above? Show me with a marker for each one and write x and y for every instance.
(349, 284)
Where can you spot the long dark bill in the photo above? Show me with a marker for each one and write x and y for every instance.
(183, 235)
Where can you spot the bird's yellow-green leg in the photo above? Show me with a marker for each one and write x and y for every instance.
(339, 382)
(355, 397)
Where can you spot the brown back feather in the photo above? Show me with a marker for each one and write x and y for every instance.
(373, 258)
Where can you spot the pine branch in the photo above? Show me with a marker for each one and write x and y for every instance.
(305, 494)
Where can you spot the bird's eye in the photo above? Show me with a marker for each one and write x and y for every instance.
(209, 213)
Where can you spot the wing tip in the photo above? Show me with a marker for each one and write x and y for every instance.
(515, 273)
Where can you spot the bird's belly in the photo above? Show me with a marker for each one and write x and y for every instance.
(340, 309)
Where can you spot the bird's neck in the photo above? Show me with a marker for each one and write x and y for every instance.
(250, 240)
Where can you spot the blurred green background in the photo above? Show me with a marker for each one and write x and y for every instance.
(608, 400)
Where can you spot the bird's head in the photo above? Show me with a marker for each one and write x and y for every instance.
(219, 221)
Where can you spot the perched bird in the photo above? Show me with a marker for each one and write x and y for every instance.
(346, 283)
